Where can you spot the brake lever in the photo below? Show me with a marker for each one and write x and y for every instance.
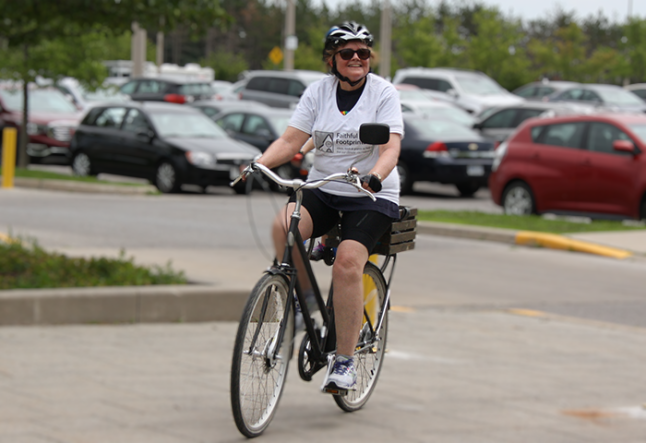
(246, 172)
(353, 174)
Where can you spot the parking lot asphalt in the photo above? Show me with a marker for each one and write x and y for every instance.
(223, 299)
(152, 365)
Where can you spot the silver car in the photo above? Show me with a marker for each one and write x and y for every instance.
(278, 89)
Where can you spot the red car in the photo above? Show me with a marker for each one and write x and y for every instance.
(588, 164)
(52, 121)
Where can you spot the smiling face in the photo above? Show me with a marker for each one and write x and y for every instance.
(355, 68)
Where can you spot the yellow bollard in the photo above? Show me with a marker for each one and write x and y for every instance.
(9, 136)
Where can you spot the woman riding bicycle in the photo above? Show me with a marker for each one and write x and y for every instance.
(331, 112)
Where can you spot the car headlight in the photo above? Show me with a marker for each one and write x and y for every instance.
(201, 159)
(500, 153)
(35, 128)
(60, 133)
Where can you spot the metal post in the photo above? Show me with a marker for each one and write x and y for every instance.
(160, 46)
(138, 50)
(386, 40)
(290, 35)
(9, 136)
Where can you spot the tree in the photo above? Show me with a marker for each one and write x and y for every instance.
(33, 28)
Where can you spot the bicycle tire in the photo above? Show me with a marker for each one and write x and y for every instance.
(368, 362)
(256, 385)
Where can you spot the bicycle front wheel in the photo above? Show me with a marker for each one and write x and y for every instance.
(257, 378)
(369, 356)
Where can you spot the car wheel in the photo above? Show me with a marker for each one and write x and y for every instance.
(166, 178)
(518, 199)
(467, 189)
(642, 210)
(405, 181)
(82, 165)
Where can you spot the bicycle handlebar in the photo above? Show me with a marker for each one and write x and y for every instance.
(351, 177)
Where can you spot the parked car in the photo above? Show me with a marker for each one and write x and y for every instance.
(443, 151)
(52, 120)
(167, 90)
(279, 89)
(168, 144)
(537, 91)
(500, 122)
(214, 107)
(639, 89)
(472, 90)
(260, 127)
(412, 92)
(83, 98)
(587, 164)
(219, 87)
(609, 97)
(438, 109)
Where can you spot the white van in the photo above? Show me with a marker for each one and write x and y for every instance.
(471, 90)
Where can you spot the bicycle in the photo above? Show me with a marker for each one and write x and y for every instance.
(264, 342)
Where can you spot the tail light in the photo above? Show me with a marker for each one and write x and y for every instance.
(436, 149)
(175, 98)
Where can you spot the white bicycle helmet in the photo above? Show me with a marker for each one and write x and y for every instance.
(346, 32)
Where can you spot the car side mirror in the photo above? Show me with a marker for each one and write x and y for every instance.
(374, 133)
(263, 132)
(146, 135)
(623, 146)
(477, 126)
(452, 92)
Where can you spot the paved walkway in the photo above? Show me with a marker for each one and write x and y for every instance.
(449, 376)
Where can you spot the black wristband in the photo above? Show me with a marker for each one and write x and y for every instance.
(372, 181)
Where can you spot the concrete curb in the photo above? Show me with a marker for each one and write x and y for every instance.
(524, 238)
(74, 186)
(131, 304)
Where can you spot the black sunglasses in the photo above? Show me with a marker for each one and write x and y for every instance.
(347, 54)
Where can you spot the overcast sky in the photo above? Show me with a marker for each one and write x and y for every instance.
(616, 10)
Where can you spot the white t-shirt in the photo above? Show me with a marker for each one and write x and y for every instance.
(336, 136)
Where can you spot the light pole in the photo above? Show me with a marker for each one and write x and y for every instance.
(290, 38)
(386, 40)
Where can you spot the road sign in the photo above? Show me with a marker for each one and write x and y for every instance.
(276, 55)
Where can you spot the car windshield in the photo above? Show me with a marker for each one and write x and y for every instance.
(40, 100)
(618, 96)
(441, 129)
(478, 85)
(640, 130)
(185, 125)
(456, 114)
(279, 122)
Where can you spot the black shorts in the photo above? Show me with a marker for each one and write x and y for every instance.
(363, 225)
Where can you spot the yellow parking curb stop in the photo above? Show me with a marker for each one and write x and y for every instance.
(554, 241)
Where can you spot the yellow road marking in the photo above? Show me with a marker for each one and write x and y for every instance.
(401, 309)
(526, 312)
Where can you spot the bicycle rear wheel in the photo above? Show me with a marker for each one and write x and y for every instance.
(368, 359)
(257, 381)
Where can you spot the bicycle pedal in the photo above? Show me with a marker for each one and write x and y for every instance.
(335, 391)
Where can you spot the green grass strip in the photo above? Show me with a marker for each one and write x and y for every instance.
(25, 265)
(522, 223)
(46, 175)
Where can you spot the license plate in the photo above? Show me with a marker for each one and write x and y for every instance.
(476, 170)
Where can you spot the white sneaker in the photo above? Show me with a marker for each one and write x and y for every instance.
(342, 378)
